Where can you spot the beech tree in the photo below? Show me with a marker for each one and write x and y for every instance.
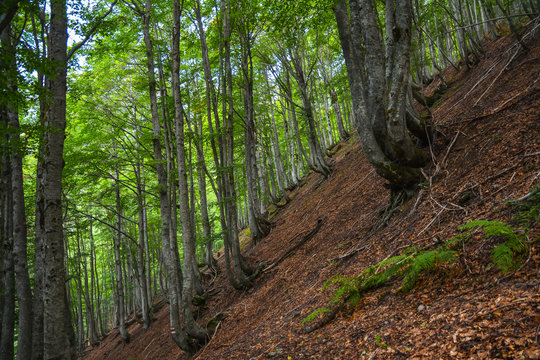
(56, 341)
(379, 90)
(17, 216)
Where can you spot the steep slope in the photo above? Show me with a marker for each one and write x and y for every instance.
(487, 153)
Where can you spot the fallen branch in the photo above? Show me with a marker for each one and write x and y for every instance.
(349, 254)
(300, 243)
(329, 316)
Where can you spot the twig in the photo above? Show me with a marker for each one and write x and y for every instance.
(212, 338)
(522, 284)
(147, 348)
(500, 107)
(537, 331)
(361, 181)
(375, 354)
(477, 83)
(431, 222)
(534, 178)
(420, 193)
(497, 77)
(443, 162)
(500, 173)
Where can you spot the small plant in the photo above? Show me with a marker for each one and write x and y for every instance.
(506, 255)
(379, 341)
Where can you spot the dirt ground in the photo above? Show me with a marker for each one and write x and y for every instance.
(486, 153)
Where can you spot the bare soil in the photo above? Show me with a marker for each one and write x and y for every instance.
(486, 154)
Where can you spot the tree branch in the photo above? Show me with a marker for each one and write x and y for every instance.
(78, 45)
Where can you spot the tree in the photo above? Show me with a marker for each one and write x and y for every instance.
(379, 90)
(188, 238)
(56, 341)
(24, 292)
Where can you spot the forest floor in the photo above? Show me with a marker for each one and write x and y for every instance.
(486, 154)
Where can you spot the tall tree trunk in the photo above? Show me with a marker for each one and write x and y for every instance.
(318, 162)
(258, 226)
(120, 302)
(241, 269)
(281, 178)
(326, 69)
(168, 250)
(7, 350)
(39, 228)
(24, 293)
(205, 221)
(147, 244)
(95, 277)
(56, 341)
(188, 238)
(80, 320)
(143, 275)
(90, 318)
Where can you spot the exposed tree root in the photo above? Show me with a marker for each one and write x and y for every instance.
(300, 243)
(397, 198)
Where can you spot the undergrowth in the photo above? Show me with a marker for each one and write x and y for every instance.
(413, 261)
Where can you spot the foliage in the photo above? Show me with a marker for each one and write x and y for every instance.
(507, 254)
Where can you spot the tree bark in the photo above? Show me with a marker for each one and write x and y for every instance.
(120, 303)
(144, 274)
(188, 238)
(379, 94)
(7, 350)
(56, 341)
(24, 293)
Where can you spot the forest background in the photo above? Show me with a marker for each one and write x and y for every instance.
(139, 138)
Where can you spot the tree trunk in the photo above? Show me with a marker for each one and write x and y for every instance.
(24, 293)
(120, 302)
(7, 350)
(144, 275)
(205, 221)
(380, 94)
(242, 270)
(188, 238)
(39, 261)
(56, 341)
(168, 250)
(318, 162)
(281, 179)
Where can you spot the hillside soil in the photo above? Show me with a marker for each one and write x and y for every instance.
(486, 154)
